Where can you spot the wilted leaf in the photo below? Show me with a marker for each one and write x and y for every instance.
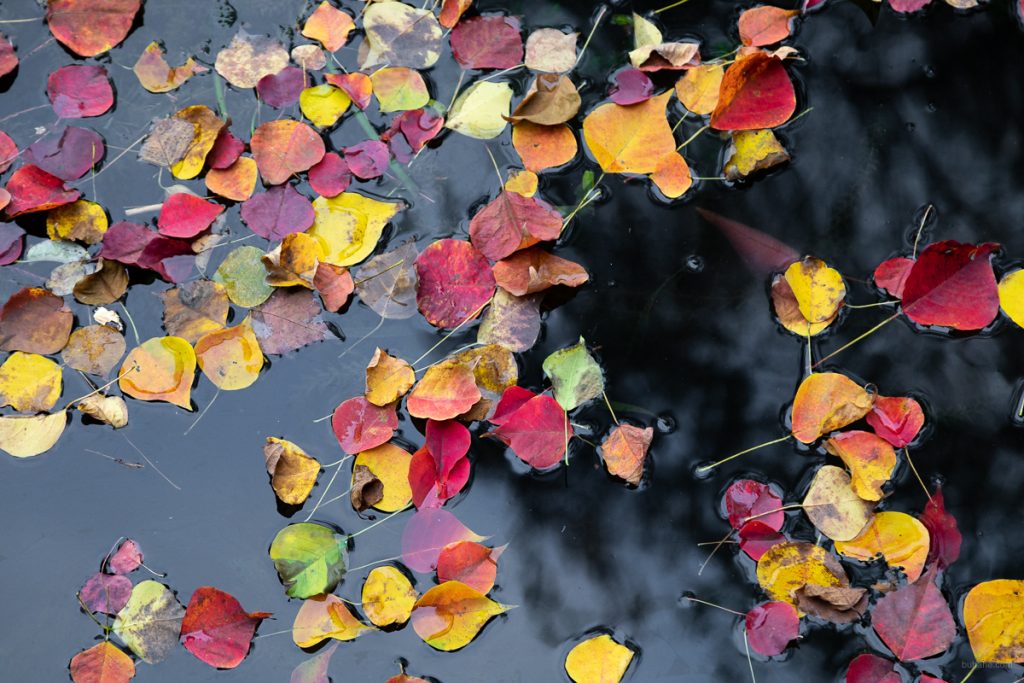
(151, 621)
(366, 490)
(771, 626)
(111, 410)
(249, 58)
(753, 151)
(534, 270)
(550, 50)
(102, 663)
(833, 507)
(242, 276)
(283, 88)
(329, 26)
(82, 220)
(899, 538)
(206, 128)
(156, 75)
(387, 283)
(511, 321)
(481, 111)
(914, 621)
(598, 660)
(105, 286)
(322, 617)
(544, 147)
(551, 100)
(625, 450)
(216, 629)
(787, 310)
(288, 320)
(310, 559)
(388, 597)
(448, 617)
(871, 461)
(994, 619)
(630, 139)
(194, 309)
(826, 401)
(160, 369)
(292, 472)
(400, 35)
(389, 464)
(35, 321)
(455, 282)
(91, 27)
(787, 567)
(756, 93)
(672, 56)
(838, 604)
(349, 226)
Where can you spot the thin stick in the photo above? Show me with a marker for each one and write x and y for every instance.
(453, 331)
(503, 71)
(711, 604)
(810, 351)
(969, 673)
(380, 521)
(725, 542)
(202, 412)
(609, 404)
(394, 265)
(150, 462)
(750, 662)
(462, 74)
(20, 21)
(453, 353)
(99, 389)
(910, 460)
(693, 137)
(339, 496)
(712, 553)
(337, 462)
(708, 468)
(784, 508)
(78, 596)
(119, 461)
(672, 6)
(584, 201)
(494, 162)
(566, 429)
(586, 43)
(858, 339)
(115, 159)
(680, 122)
(1020, 409)
(275, 633)
(917, 237)
(801, 114)
(363, 338)
(323, 495)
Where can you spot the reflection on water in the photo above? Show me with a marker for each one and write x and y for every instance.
(906, 113)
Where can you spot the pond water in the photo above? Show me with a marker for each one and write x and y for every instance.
(905, 113)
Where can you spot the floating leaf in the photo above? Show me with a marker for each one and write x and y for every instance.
(753, 151)
(25, 436)
(387, 378)
(899, 538)
(387, 283)
(230, 358)
(598, 660)
(283, 88)
(151, 621)
(193, 309)
(771, 626)
(331, 176)
(952, 284)
(819, 289)
(294, 262)
(111, 410)
(632, 86)
(871, 461)
(292, 472)
(455, 282)
(310, 559)
(537, 431)
(285, 147)
(67, 152)
(185, 215)
(102, 663)
(8, 56)
(80, 91)
(756, 93)
(91, 27)
(160, 369)
(82, 220)
(388, 597)
(29, 383)
(329, 26)
(575, 375)
(216, 629)
(400, 35)
(868, 668)
(106, 593)
(766, 25)
(242, 276)
(534, 270)
(630, 139)
(335, 285)
(349, 226)
(427, 533)
(168, 141)
(551, 100)
(288, 320)
(756, 538)
(314, 670)
(826, 401)
(833, 506)
(448, 617)
(32, 189)
(746, 500)
(359, 425)
(672, 176)
(838, 604)
(511, 321)
(126, 559)
(399, 89)
(625, 450)
(512, 222)
(994, 619)
(487, 42)
(389, 464)
(322, 617)
(440, 469)
(156, 75)
(550, 50)
(891, 275)
(914, 621)
(945, 537)
(481, 111)
(787, 567)
(544, 147)
(787, 310)
(368, 159)
(249, 58)
(206, 127)
(323, 105)
(278, 212)
(471, 563)
(35, 321)
(699, 88)
(671, 56)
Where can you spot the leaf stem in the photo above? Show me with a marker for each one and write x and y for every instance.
(917, 237)
(586, 43)
(969, 673)
(668, 7)
(380, 521)
(455, 329)
(910, 461)
(708, 468)
(858, 339)
(608, 403)
(711, 604)
(693, 137)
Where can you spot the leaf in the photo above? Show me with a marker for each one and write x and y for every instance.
(871, 461)
(387, 378)
(349, 226)
(30, 383)
(833, 506)
(193, 309)
(787, 567)
(91, 27)
(294, 262)
(699, 88)
(331, 176)
(314, 670)
(631, 139)
(157, 76)
(575, 375)
(399, 89)
(324, 105)
(445, 391)
(550, 50)
(625, 450)
(487, 42)
(25, 436)
(285, 147)
(868, 668)
(994, 619)
(102, 663)
(512, 222)
(387, 283)
(537, 431)
(105, 593)
(12, 241)
(746, 499)
(753, 151)
(891, 275)
(242, 276)
(283, 88)
(455, 282)
(449, 616)
(945, 538)
(534, 270)
(481, 111)
(771, 626)
(826, 401)
(787, 310)
(357, 86)
(551, 100)
(512, 322)
(82, 220)
(366, 490)
(632, 86)
(672, 176)
(766, 25)
(230, 358)
(914, 621)
(440, 469)
(249, 58)
(160, 369)
(126, 559)
(368, 159)
(451, 12)
(67, 152)
(470, 563)
(105, 286)
(598, 660)
(185, 215)
(278, 212)
(819, 290)
(427, 533)
(544, 147)
(322, 617)
(838, 604)
(94, 349)
(206, 128)
(388, 597)
(359, 425)
(111, 410)
(389, 464)
(671, 56)
(216, 629)
(329, 26)
(952, 284)
(756, 93)
(400, 35)
(288, 320)
(292, 472)
(226, 150)
(310, 559)
(32, 189)
(35, 321)
(168, 141)
(8, 56)
(80, 91)
(899, 538)
(334, 284)
(151, 621)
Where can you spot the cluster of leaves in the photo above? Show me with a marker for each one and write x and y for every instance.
(150, 621)
(950, 287)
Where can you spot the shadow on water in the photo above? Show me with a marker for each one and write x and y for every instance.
(905, 113)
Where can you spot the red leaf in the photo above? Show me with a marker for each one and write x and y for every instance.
(756, 538)
(488, 42)
(762, 254)
(356, 85)
(869, 668)
(106, 593)
(226, 150)
(359, 425)
(747, 498)
(771, 626)
(534, 270)
(126, 559)
(278, 212)
(67, 152)
(216, 629)
(915, 621)
(33, 189)
(91, 27)
(427, 533)
(756, 93)
(331, 176)
(334, 284)
(440, 469)
(455, 282)
(8, 151)
(896, 419)
(510, 401)
(891, 275)
(512, 222)
(942, 528)
(765, 25)
(905, 6)
(79, 91)
(185, 215)
(368, 159)
(8, 57)
(952, 284)
(472, 563)
(282, 89)
(632, 86)
(537, 432)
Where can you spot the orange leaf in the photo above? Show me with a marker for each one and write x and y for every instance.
(285, 147)
(387, 378)
(329, 26)
(631, 139)
(102, 663)
(160, 369)
(449, 616)
(446, 391)
(766, 25)
(826, 401)
(756, 93)
(625, 450)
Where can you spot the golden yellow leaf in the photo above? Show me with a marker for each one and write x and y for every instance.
(448, 617)
(390, 464)
(598, 660)
(994, 619)
(833, 507)
(231, 358)
(672, 176)
(324, 104)
(322, 617)
(699, 86)
(24, 436)
(293, 262)
(630, 139)
(826, 401)
(871, 460)
(752, 151)
(388, 597)
(82, 220)
(160, 369)
(480, 111)
(522, 182)
(1011, 296)
(789, 566)
(29, 383)
(899, 538)
(787, 310)
(292, 471)
(349, 225)
(819, 290)
(206, 127)
(387, 378)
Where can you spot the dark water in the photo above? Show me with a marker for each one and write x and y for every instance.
(906, 113)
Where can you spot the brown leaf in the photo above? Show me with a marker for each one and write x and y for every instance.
(105, 286)
(193, 309)
(838, 604)
(94, 349)
(367, 489)
(109, 409)
(551, 100)
(36, 321)
(167, 143)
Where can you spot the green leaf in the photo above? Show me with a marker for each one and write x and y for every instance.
(243, 275)
(575, 375)
(310, 559)
(151, 621)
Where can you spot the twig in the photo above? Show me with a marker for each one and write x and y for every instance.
(150, 462)
(455, 329)
(608, 403)
(750, 662)
(672, 6)
(322, 495)
(920, 227)
(711, 604)
(380, 521)
(119, 461)
(693, 137)
(202, 412)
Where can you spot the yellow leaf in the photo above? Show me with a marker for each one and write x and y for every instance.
(323, 617)
(753, 150)
(598, 660)
(390, 464)
(899, 538)
(388, 597)
(448, 617)
(82, 220)
(387, 378)
(231, 358)
(994, 618)
(522, 182)
(645, 32)
(480, 111)
(324, 104)
(349, 225)
(29, 383)
(819, 290)
(206, 127)
(698, 88)
(672, 176)
(26, 435)
(631, 139)
(292, 472)
(160, 369)
(293, 262)
(787, 310)
(789, 566)
(833, 507)
(1011, 296)
(826, 401)
(871, 460)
